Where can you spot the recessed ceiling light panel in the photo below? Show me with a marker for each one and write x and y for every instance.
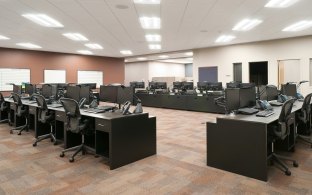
(150, 22)
(141, 58)
(75, 36)
(43, 20)
(163, 56)
(154, 47)
(126, 52)
(93, 46)
(246, 24)
(280, 3)
(87, 52)
(225, 38)
(153, 38)
(147, 1)
(302, 25)
(29, 45)
(4, 37)
(188, 53)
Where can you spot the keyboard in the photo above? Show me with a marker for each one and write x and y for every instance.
(94, 110)
(265, 113)
(55, 105)
(247, 111)
(105, 108)
(275, 103)
(300, 100)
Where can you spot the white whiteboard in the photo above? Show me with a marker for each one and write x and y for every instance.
(16, 76)
(91, 77)
(54, 76)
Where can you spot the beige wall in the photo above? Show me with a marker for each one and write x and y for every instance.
(271, 51)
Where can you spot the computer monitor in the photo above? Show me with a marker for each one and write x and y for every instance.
(177, 85)
(29, 88)
(73, 92)
(246, 85)
(62, 86)
(247, 97)
(215, 86)
(17, 89)
(23, 87)
(271, 92)
(152, 85)
(232, 99)
(232, 85)
(137, 84)
(161, 85)
(187, 85)
(202, 86)
(125, 94)
(46, 91)
(108, 93)
(85, 93)
(91, 85)
(289, 89)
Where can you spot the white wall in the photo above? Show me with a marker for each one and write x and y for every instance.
(271, 51)
(136, 72)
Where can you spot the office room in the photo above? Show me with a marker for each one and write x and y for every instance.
(155, 97)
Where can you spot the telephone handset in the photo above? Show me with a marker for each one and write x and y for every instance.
(125, 108)
(264, 105)
(299, 96)
(82, 102)
(282, 98)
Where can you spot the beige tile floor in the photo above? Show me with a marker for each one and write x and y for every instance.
(178, 168)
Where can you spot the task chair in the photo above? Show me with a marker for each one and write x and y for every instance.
(45, 116)
(304, 121)
(280, 131)
(75, 124)
(20, 111)
(4, 107)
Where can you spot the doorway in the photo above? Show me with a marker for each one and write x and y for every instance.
(258, 73)
(237, 72)
(288, 71)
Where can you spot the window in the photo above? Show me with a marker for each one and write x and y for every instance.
(91, 77)
(16, 76)
(55, 76)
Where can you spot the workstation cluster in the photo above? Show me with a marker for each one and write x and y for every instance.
(69, 115)
(258, 123)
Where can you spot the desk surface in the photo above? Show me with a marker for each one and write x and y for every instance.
(266, 120)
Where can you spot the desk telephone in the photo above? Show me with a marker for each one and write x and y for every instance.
(264, 105)
(282, 98)
(125, 107)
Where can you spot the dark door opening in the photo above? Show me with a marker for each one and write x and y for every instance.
(237, 72)
(258, 73)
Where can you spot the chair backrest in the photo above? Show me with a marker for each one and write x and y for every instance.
(43, 112)
(73, 114)
(306, 106)
(284, 119)
(2, 103)
(17, 99)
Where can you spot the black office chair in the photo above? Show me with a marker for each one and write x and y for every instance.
(279, 132)
(304, 120)
(45, 116)
(20, 111)
(75, 125)
(4, 108)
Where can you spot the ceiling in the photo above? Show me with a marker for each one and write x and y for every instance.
(185, 24)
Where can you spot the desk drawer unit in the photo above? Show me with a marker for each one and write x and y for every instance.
(102, 125)
(60, 116)
(32, 110)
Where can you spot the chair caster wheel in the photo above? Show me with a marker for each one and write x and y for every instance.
(51, 140)
(35, 144)
(19, 133)
(71, 160)
(295, 164)
(288, 173)
(62, 155)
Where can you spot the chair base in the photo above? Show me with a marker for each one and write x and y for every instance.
(278, 158)
(20, 129)
(306, 139)
(4, 121)
(46, 136)
(80, 148)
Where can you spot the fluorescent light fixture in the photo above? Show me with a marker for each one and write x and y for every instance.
(4, 37)
(153, 38)
(302, 25)
(154, 46)
(87, 52)
(246, 24)
(280, 3)
(93, 46)
(150, 22)
(126, 52)
(29, 45)
(146, 1)
(43, 20)
(141, 58)
(163, 56)
(188, 53)
(75, 36)
(126, 60)
(225, 38)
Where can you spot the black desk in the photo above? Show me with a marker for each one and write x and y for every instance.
(122, 139)
(182, 102)
(239, 143)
